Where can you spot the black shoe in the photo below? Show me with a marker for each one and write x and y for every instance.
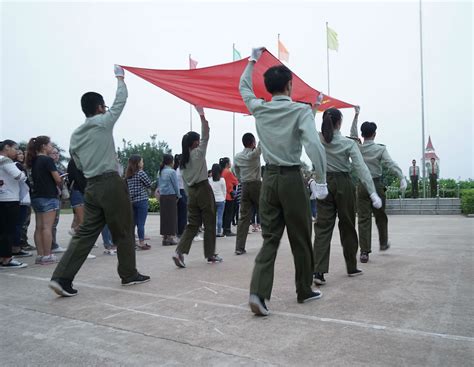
(137, 279)
(258, 306)
(364, 257)
(319, 279)
(179, 260)
(22, 253)
(62, 288)
(230, 234)
(214, 259)
(384, 247)
(314, 295)
(355, 273)
(220, 235)
(240, 252)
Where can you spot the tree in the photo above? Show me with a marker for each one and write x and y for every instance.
(152, 153)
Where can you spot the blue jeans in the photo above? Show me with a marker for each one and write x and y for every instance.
(107, 237)
(220, 213)
(314, 209)
(140, 212)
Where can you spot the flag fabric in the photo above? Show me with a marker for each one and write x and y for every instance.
(217, 86)
(192, 63)
(333, 43)
(237, 55)
(283, 52)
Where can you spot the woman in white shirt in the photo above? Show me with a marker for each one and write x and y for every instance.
(10, 180)
(218, 187)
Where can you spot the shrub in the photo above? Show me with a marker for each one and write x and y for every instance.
(467, 201)
(153, 205)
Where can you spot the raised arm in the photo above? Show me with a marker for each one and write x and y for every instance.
(354, 133)
(112, 115)
(204, 132)
(319, 100)
(246, 85)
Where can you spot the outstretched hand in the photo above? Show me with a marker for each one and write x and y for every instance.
(118, 71)
(256, 53)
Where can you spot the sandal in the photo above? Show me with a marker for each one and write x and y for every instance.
(145, 246)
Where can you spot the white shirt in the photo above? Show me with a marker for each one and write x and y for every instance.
(180, 179)
(218, 187)
(11, 176)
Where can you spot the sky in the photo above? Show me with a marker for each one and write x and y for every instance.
(53, 52)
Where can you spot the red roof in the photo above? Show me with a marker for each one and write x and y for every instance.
(429, 146)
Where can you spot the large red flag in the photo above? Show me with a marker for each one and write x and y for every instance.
(217, 86)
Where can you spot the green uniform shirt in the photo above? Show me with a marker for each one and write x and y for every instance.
(338, 152)
(283, 127)
(92, 144)
(196, 168)
(247, 165)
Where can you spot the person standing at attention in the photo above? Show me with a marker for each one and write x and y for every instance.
(247, 168)
(106, 199)
(283, 127)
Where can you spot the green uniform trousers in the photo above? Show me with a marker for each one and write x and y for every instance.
(365, 210)
(201, 210)
(340, 201)
(248, 200)
(433, 184)
(106, 201)
(283, 202)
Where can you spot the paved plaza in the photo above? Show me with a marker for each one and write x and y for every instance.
(412, 307)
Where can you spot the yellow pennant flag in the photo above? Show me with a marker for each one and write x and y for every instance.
(283, 53)
(333, 43)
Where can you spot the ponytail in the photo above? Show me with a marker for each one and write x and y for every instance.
(35, 145)
(331, 118)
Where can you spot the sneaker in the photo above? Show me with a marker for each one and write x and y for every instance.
(364, 257)
(137, 279)
(62, 288)
(314, 295)
(71, 231)
(38, 259)
(319, 279)
(179, 260)
(28, 247)
(220, 235)
(58, 250)
(355, 273)
(198, 238)
(22, 253)
(13, 264)
(110, 251)
(48, 259)
(230, 234)
(90, 256)
(258, 306)
(240, 252)
(214, 259)
(384, 247)
(95, 245)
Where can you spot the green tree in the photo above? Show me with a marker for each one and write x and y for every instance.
(151, 152)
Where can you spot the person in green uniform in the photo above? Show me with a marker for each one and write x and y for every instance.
(248, 171)
(375, 155)
(201, 201)
(106, 199)
(433, 171)
(341, 198)
(283, 128)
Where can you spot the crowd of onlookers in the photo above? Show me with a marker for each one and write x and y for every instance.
(35, 180)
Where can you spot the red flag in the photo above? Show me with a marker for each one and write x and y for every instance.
(217, 86)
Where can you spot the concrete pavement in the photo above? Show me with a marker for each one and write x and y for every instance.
(412, 307)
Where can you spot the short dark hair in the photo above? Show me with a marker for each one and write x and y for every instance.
(276, 78)
(89, 103)
(224, 162)
(368, 129)
(248, 139)
(7, 142)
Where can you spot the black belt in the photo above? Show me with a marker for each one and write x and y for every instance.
(103, 176)
(281, 169)
(334, 174)
(199, 184)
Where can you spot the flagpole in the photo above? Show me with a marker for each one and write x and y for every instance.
(327, 55)
(278, 46)
(233, 113)
(422, 107)
(190, 106)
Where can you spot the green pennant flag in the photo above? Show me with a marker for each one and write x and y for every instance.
(237, 55)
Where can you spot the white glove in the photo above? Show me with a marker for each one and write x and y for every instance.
(376, 201)
(319, 100)
(321, 191)
(200, 110)
(357, 109)
(118, 70)
(403, 184)
(256, 53)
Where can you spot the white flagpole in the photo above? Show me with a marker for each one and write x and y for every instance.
(233, 113)
(190, 106)
(422, 108)
(327, 56)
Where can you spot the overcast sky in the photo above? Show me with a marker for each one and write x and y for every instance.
(53, 52)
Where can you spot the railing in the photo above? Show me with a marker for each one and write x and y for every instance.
(393, 192)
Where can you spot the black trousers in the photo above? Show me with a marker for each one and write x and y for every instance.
(9, 214)
(228, 215)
